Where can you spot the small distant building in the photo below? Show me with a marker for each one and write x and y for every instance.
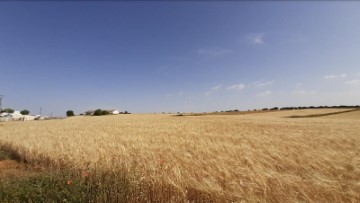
(16, 115)
(29, 118)
(39, 117)
(4, 114)
(113, 111)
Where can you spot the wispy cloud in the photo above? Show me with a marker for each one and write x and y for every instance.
(213, 89)
(213, 52)
(255, 38)
(304, 92)
(264, 94)
(335, 76)
(353, 82)
(262, 84)
(236, 87)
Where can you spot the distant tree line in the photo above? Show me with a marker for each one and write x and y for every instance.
(100, 112)
(235, 110)
(97, 112)
(311, 107)
(301, 107)
(7, 110)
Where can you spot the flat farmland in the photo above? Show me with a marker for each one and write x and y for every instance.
(262, 157)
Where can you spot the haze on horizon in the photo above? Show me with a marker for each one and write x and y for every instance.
(178, 56)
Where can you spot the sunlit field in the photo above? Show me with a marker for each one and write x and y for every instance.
(263, 157)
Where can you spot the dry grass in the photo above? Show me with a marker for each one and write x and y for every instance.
(246, 158)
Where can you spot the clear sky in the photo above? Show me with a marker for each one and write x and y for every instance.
(149, 56)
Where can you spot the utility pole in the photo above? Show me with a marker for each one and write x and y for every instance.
(1, 96)
(40, 111)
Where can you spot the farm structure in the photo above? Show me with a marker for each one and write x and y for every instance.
(17, 116)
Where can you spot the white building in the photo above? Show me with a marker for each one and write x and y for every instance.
(113, 111)
(16, 116)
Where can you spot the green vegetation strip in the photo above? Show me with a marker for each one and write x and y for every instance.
(324, 114)
(63, 186)
(81, 185)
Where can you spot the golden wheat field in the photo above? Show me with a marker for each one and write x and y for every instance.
(263, 157)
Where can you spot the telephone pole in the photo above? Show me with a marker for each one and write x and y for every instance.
(1, 96)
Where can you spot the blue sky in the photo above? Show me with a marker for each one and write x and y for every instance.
(178, 56)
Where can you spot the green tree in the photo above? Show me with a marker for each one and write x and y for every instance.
(70, 113)
(8, 110)
(98, 112)
(25, 112)
(104, 112)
